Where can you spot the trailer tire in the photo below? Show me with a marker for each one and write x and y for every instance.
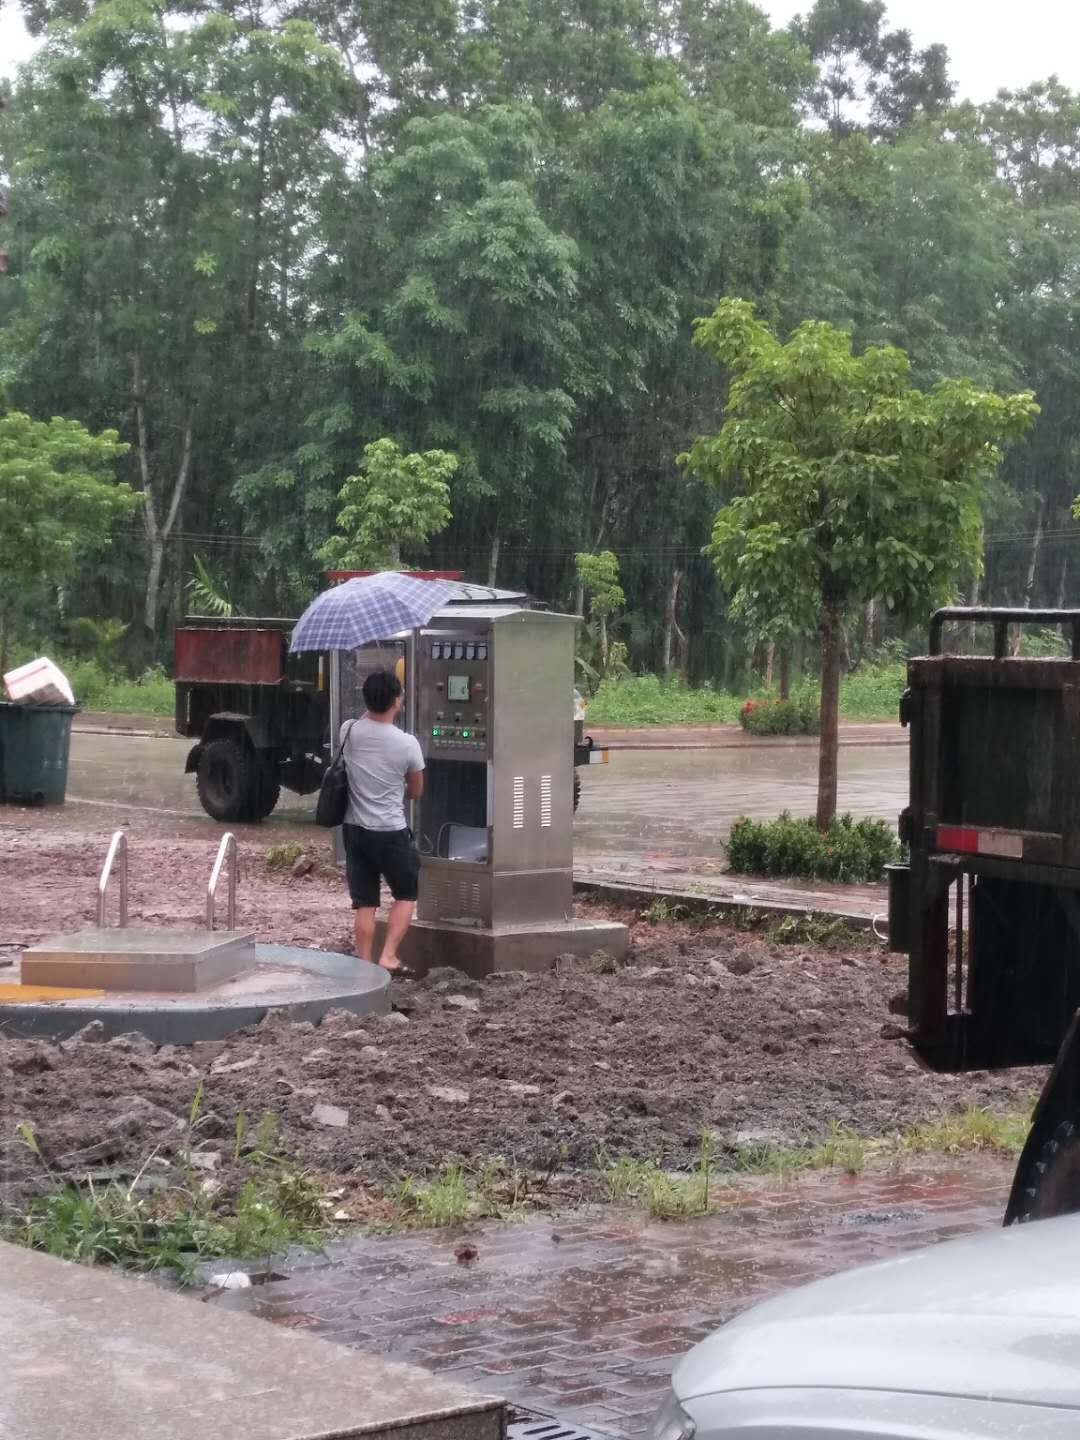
(1053, 1186)
(577, 791)
(226, 780)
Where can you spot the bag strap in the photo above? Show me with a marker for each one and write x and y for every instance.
(345, 738)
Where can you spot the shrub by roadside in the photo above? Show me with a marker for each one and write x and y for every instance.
(799, 715)
(853, 850)
(101, 686)
(870, 693)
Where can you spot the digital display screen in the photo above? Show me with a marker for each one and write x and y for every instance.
(457, 687)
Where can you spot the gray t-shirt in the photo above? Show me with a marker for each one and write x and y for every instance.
(377, 759)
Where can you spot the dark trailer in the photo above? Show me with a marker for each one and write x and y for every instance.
(988, 908)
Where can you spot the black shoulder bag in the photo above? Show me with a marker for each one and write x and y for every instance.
(333, 798)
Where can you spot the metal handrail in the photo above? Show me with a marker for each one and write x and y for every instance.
(227, 849)
(117, 847)
(1001, 617)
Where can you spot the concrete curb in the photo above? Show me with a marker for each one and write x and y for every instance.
(702, 905)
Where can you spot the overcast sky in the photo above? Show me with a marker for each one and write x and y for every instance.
(992, 43)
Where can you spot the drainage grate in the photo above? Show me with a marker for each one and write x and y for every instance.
(530, 1425)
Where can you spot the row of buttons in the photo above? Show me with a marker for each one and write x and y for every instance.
(458, 650)
(461, 744)
(452, 733)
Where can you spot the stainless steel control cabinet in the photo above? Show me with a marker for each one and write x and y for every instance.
(492, 692)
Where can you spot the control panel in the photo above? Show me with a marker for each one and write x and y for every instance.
(453, 711)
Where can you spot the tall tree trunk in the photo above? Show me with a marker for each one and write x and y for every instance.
(831, 639)
(159, 517)
(1033, 563)
(1017, 636)
(153, 583)
(5, 632)
(770, 661)
(579, 598)
(785, 673)
(493, 561)
(671, 624)
(603, 645)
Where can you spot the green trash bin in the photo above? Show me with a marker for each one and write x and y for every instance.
(35, 743)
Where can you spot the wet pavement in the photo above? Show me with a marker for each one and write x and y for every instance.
(585, 1318)
(646, 809)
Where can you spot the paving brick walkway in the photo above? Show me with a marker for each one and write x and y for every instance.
(585, 1317)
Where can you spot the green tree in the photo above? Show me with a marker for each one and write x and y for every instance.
(599, 576)
(155, 288)
(59, 501)
(470, 338)
(852, 484)
(395, 500)
(866, 68)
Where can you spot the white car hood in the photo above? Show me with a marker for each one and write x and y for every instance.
(996, 1315)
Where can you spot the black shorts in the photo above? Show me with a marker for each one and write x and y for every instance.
(374, 854)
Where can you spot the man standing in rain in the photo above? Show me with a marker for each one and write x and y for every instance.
(384, 767)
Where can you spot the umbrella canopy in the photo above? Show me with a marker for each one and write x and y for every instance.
(371, 607)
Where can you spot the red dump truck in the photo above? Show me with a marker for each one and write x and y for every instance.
(260, 717)
(988, 907)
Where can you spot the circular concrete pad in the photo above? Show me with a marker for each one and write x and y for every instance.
(305, 984)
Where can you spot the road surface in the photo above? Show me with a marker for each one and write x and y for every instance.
(667, 803)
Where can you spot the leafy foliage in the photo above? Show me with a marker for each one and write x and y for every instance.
(850, 850)
(59, 501)
(395, 500)
(773, 716)
(486, 229)
(206, 595)
(852, 485)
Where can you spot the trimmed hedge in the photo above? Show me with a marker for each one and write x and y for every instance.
(851, 850)
(799, 715)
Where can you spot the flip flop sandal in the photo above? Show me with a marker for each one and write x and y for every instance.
(401, 972)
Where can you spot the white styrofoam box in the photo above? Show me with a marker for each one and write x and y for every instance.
(39, 682)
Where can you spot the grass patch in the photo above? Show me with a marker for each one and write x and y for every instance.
(451, 1198)
(97, 688)
(830, 932)
(493, 1189)
(186, 1220)
(973, 1128)
(650, 700)
(842, 1148)
(850, 850)
(663, 911)
(667, 1195)
(284, 856)
(871, 693)
(664, 1194)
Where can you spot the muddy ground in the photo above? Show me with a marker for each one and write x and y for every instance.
(703, 1028)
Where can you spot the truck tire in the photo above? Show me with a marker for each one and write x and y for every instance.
(226, 780)
(577, 791)
(1053, 1185)
(267, 792)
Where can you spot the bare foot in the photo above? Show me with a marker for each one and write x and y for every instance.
(390, 962)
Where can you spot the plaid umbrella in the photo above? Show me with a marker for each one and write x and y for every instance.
(371, 607)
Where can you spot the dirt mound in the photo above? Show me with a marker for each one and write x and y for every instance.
(712, 1028)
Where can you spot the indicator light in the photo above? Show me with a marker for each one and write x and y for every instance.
(435, 730)
(465, 734)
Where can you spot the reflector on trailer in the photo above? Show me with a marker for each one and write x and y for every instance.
(967, 840)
